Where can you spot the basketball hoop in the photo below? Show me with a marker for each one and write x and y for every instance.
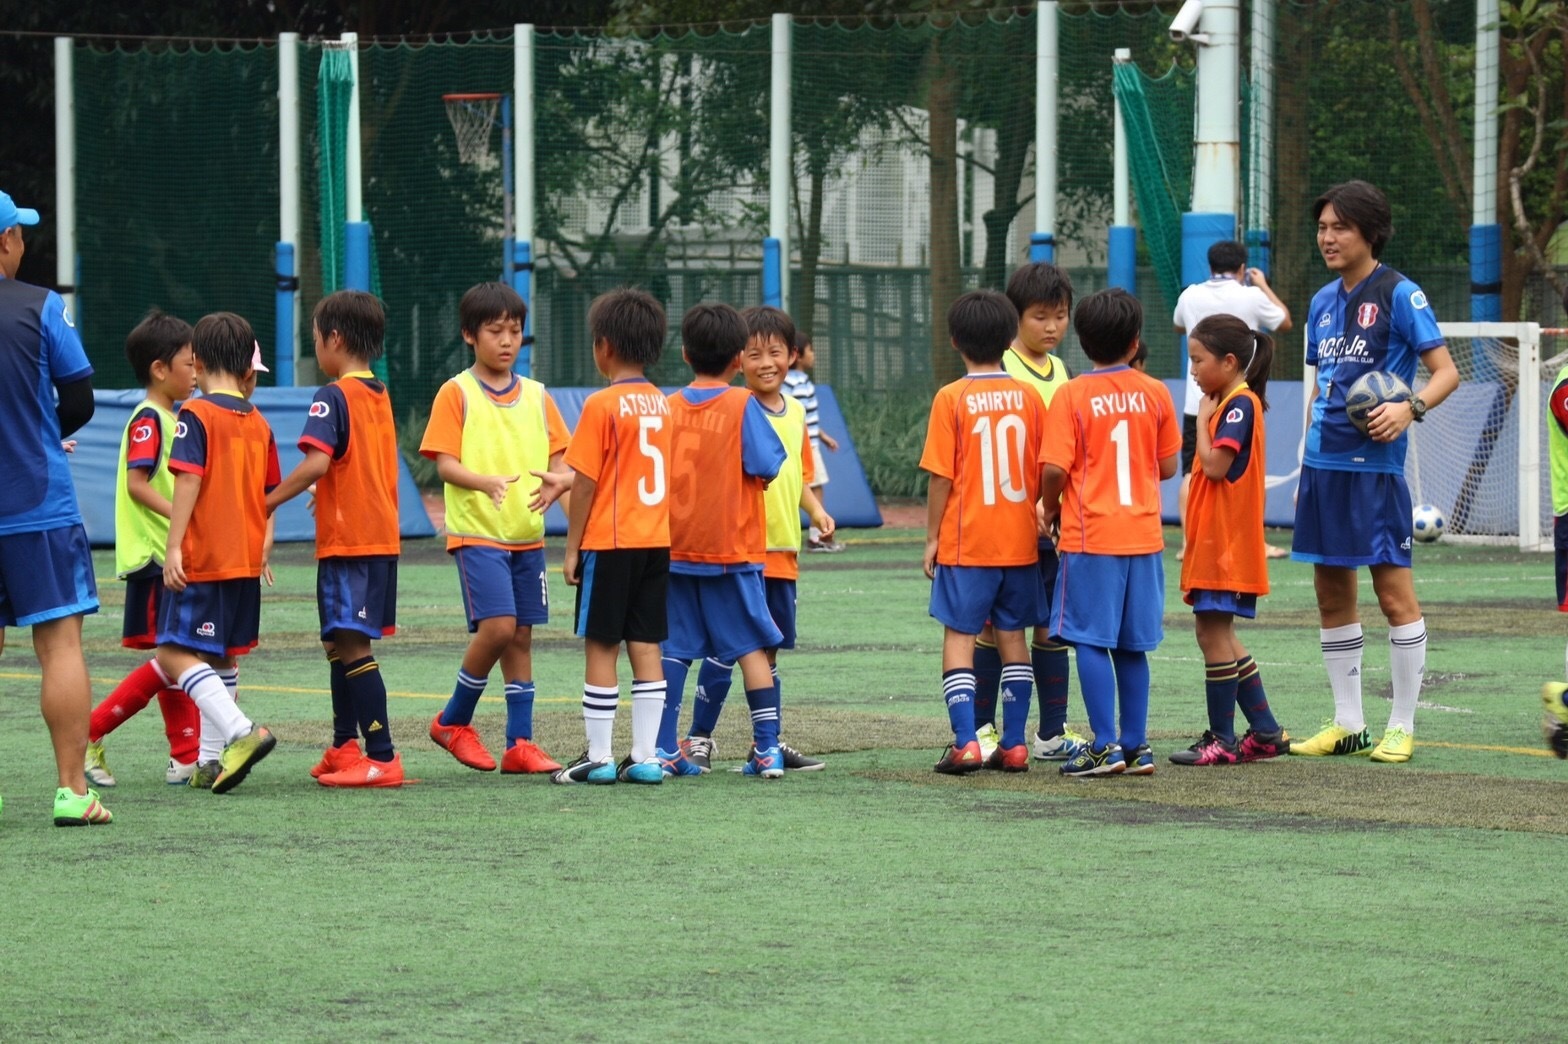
(472, 116)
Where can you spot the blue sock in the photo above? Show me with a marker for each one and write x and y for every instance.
(988, 679)
(764, 704)
(465, 697)
(1097, 682)
(369, 693)
(1219, 689)
(675, 672)
(1250, 696)
(1132, 693)
(519, 711)
(1017, 679)
(1050, 686)
(713, 687)
(958, 688)
(345, 726)
(778, 694)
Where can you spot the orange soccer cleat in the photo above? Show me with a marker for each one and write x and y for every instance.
(464, 744)
(367, 772)
(336, 759)
(526, 756)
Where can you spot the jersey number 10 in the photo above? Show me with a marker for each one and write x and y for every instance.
(996, 457)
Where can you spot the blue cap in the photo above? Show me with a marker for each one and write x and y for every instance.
(11, 214)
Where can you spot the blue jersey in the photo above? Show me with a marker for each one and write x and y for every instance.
(1383, 323)
(39, 350)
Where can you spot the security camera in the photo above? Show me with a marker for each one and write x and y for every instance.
(1186, 21)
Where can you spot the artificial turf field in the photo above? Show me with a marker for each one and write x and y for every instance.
(1297, 899)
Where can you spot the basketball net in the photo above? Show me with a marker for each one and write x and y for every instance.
(472, 116)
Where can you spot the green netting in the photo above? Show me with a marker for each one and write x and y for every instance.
(1159, 158)
(334, 94)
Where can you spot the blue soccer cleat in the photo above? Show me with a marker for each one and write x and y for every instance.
(678, 764)
(767, 762)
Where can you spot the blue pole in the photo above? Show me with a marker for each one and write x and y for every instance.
(522, 269)
(772, 272)
(356, 255)
(1260, 251)
(1198, 233)
(1122, 258)
(1042, 247)
(1486, 273)
(288, 284)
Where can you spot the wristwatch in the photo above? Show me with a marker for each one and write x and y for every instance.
(1417, 409)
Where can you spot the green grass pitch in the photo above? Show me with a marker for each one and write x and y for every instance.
(1323, 899)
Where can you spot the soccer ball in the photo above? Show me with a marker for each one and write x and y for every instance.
(1370, 391)
(1428, 523)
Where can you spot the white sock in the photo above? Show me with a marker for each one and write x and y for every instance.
(219, 713)
(647, 712)
(230, 678)
(1342, 656)
(599, 719)
(1407, 662)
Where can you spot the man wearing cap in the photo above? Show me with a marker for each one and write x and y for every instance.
(46, 568)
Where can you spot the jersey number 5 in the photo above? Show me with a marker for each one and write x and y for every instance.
(996, 457)
(650, 490)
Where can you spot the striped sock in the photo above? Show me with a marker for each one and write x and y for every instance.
(988, 681)
(221, 717)
(713, 688)
(1017, 683)
(1219, 690)
(368, 691)
(519, 711)
(1049, 661)
(599, 718)
(648, 702)
(675, 672)
(764, 704)
(1342, 648)
(1250, 697)
(459, 710)
(1407, 663)
(344, 726)
(958, 689)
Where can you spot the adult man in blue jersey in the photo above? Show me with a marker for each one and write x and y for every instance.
(46, 568)
(1353, 507)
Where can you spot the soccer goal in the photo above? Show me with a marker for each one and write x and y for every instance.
(1480, 458)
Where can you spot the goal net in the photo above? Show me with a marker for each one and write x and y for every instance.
(1480, 457)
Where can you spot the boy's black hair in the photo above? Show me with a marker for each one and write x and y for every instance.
(1227, 256)
(1226, 335)
(487, 302)
(1108, 323)
(1039, 283)
(224, 343)
(356, 316)
(982, 324)
(802, 338)
(767, 321)
(1140, 358)
(631, 321)
(713, 335)
(157, 338)
(1362, 205)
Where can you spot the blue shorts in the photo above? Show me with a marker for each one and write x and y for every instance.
(723, 616)
(357, 594)
(1202, 601)
(781, 607)
(1352, 518)
(1110, 601)
(1049, 565)
(46, 576)
(143, 596)
(503, 583)
(221, 617)
(964, 598)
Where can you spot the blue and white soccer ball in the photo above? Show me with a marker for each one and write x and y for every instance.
(1428, 524)
(1371, 390)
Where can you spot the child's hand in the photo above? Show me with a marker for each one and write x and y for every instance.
(2, 641)
(552, 486)
(174, 570)
(824, 522)
(930, 558)
(1046, 517)
(497, 486)
(829, 441)
(310, 499)
(570, 568)
(1206, 407)
(69, 445)
(266, 573)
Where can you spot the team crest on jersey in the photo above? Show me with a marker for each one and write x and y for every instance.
(319, 409)
(1366, 316)
(1325, 320)
(206, 630)
(1418, 300)
(142, 432)
(180, 430)
(65, 313)
(1234, 416)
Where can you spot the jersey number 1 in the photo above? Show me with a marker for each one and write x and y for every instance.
(996, 457)
(1123, 463)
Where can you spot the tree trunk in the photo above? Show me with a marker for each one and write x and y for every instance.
(942, 107)
(810, 253)
(1296, 273)
(1013, 135)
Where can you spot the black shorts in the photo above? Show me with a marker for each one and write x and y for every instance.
(1189, 442)
(622, 595)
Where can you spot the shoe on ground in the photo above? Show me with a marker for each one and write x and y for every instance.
(988, 738)
(767, 762)
(1554, 722)
(700, 751)
(586, 770)
(677, 764)
(1333, 739)
(367, 772)
(72, 809)
(629, 771)
(96, 766)
(1209, 750)
(463, 743)
(179, 773)
(1057, 748)
(960, 761)
(338, 758)
(795, 761)
(239, 757)
(1395, 747)
(527, 757)
(1009, 759)
(1095, 761)
(1140, 762)
(1260, 746)
(205, 775)
(824, 546)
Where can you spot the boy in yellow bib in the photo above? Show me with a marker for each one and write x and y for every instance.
(488, 427)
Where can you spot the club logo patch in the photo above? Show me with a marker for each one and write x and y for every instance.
(319, 409)
(1234, 416)
(1366, 315)
(142, 432)
(180, 430)
(206, 630)
(1325, 320)
(1418, 300)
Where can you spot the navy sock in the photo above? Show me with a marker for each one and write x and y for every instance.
(344, 725)
(958, 689)
(1017, 679)
(1050, 686)
(369, 693)
(1250, 696)
(1219, 689)
(713, 687)
(778, 694)
(764, 704)
(1097, 682)
(1132, 695)
(988, 679)
(675, 672)
(459, 709)
(519, 711)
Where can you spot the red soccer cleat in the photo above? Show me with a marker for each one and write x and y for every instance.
(1009, 759)
(960, 761)
(336, 759)
(367, 772)
(464, 744)
(525, 756)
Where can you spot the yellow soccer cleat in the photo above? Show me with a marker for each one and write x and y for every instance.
(1330, 740)
(1395, 747)
(1554, 724)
